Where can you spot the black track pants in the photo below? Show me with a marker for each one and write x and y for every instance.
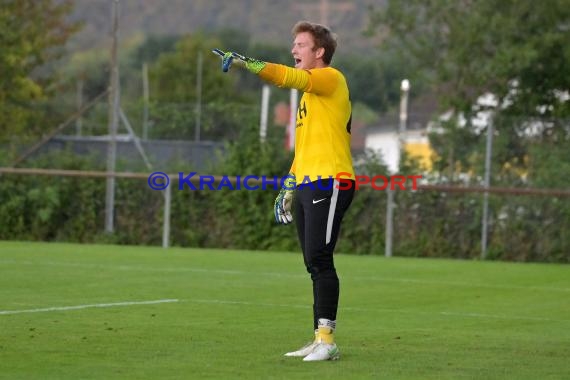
(319, 209)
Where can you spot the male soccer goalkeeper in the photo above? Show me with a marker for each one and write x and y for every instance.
(322, 151)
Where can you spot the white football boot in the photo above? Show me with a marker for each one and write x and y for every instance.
(305, 350)
(326, 348)
(322, 352)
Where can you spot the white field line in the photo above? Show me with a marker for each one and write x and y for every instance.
(261, 304)
(400, 311)
(79, 307)
(277, 274)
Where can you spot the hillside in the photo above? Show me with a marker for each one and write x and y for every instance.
(268, 21)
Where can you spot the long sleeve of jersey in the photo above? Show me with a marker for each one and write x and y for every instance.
(313, 81)
(322, 133)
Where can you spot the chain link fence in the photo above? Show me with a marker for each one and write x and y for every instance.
(526, 153)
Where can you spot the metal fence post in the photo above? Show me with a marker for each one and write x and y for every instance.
(166, 221)
(486, 184)
(114, 104)
(389, 221)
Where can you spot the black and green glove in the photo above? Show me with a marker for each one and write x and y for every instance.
(230, 57)
(283, 202)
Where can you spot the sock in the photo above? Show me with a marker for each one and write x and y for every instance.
(325, 331)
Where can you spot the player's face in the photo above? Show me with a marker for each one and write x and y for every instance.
(304, 52)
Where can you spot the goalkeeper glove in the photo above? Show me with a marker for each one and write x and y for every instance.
(253, 65)
(284, 200)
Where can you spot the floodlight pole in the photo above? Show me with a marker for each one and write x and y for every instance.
(293, 102)
(265, 93)
(404, 90)
(114, 101)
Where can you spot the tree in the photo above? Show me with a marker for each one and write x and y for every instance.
(151, 48)
(173, 75)
(226, 106)
(375, 79)
(32, 33)
(514, 49)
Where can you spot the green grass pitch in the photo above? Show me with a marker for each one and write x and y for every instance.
(70, 311)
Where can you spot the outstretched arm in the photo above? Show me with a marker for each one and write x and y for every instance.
(317, 81)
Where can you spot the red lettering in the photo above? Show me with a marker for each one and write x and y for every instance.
(343, 184)
(375, 178)
(414, 183)
(397, 180)
(361, 179)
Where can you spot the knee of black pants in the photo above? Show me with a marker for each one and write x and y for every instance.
(321, 267)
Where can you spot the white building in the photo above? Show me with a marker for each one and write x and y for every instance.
(384, 137)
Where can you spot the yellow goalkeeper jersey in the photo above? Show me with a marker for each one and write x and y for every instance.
(322, 135)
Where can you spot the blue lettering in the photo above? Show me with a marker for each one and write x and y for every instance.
(307, 182)
(225, 182)
(185, 180)
(288, 182)
(207, 180)
(246, 185)
(274, 181)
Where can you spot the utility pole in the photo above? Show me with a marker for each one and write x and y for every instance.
(145, 100)
(114, 101)
(198, 115)
(324, 7)
(79, 102)
(265, 93)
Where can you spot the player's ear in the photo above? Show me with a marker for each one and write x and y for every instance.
(320, 52)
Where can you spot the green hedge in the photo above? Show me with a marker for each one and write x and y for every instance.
(426, 223)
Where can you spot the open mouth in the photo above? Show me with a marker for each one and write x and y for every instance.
(297, 61)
